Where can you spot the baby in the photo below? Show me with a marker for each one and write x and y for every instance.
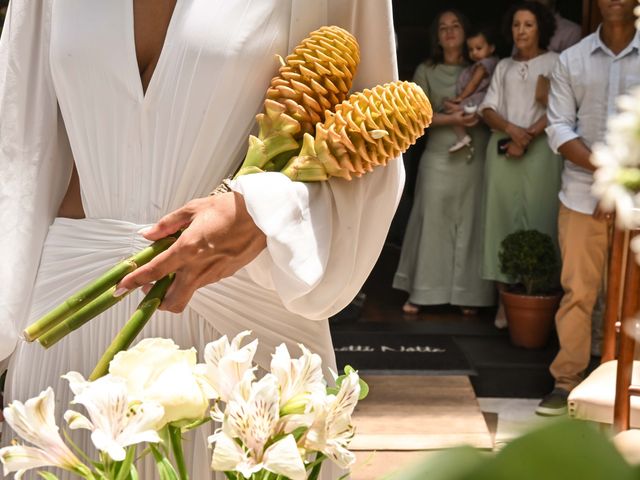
(473, 82)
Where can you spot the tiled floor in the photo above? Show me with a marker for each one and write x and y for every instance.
(406, 418)
(514, 416)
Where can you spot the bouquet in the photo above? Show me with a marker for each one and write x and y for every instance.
(281, 426)
(309, 130)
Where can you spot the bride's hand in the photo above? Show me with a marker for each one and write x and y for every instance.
(219, 239)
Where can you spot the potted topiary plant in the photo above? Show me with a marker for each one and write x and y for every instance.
(529, 259)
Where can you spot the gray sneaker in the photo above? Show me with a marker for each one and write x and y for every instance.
(553, 404)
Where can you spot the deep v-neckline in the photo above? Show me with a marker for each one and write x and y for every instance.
(142, 93)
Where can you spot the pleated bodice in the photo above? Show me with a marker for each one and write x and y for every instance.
(142, 154)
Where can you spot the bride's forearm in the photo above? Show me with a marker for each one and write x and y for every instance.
(71, 206)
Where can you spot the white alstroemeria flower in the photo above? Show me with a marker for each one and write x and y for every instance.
(618, 163)
(225, 365)
(298, 378)
(156, 370)
(608, 188)
(34, 421)
(115, 422)
(332, 430)
(635, 246)
(252, 418)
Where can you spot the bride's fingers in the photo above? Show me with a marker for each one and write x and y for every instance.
(179, 293)
(169, 261)
(169, 224)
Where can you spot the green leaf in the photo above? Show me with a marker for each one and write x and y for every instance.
(133, 475)
(348, 369)
(364, 389)
(298, 432)
(47, 475)
(165, 469)
(562, 450)
(451, 464)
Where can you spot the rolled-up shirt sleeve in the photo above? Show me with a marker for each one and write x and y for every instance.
(562, 109)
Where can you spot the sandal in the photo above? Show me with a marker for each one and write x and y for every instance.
(410, 308)
(500, 321)
(460, 144)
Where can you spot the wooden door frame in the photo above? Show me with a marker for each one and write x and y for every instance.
(591, 17)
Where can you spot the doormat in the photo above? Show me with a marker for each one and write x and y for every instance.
(385, 353)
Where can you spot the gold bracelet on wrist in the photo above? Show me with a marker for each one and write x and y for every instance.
(224, 187)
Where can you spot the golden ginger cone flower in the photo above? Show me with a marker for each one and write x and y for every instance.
(315, 77)
(367, 130)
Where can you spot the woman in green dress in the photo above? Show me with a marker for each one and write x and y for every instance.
(522, 176)
(441, 252)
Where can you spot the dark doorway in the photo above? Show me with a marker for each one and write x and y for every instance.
(413, 17)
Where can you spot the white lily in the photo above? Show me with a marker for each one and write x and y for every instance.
(34, 421)
(252, 418)
(332, 430)
(115, 421)
(298, 379)
(225, 365)
(157, 370)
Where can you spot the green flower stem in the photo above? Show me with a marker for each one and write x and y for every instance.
(124, 467)
(79, 318)
(317, 465)
(165, 469)
(175, 436)
(83, 471)
(93, 290)
(134, 326)
(261, 152)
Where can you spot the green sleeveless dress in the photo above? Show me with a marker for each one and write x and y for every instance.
(441, 253)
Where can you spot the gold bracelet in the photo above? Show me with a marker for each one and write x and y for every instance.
(224, 187)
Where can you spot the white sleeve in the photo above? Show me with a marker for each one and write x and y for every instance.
(562, 109)
(324, 238)
(493, 97)
(35, 158)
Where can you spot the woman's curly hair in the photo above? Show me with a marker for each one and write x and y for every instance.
(544, 18)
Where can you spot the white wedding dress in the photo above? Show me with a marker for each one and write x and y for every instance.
(141, 155)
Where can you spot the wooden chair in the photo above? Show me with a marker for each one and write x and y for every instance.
(611, 393)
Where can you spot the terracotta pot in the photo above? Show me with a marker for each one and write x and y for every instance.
(530, 317)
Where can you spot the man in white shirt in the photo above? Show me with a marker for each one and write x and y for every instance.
(584, 86)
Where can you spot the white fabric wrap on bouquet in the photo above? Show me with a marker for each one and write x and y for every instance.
(323, 239)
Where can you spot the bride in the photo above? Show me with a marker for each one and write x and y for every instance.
(114, 114)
